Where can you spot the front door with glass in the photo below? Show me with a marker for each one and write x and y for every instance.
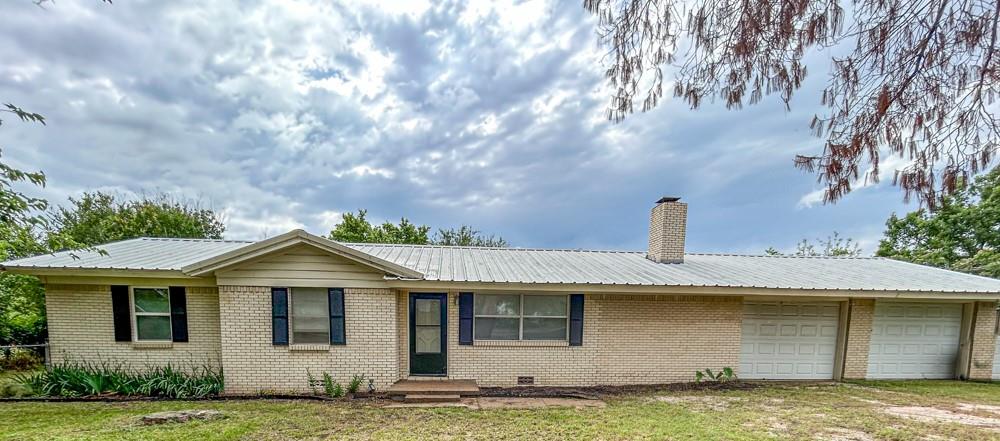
(428, 334)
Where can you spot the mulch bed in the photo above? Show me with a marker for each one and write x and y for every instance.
(113, 398)
(589, 392)
(598, 392)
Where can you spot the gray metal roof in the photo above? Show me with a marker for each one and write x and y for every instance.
(135, 254)
(471, 264)
(548, 266)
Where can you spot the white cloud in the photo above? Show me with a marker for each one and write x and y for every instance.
(285, 114)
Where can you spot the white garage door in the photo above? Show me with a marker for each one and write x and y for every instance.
(914, 340)
(996, 361)
(788, 341)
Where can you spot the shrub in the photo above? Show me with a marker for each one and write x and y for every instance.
(312, 381)
(726, 374)
(13, 389)
(355, 383)
(332, 388)
(83, 379)
(18, 359)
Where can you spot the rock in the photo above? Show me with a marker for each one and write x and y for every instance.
(180, 416)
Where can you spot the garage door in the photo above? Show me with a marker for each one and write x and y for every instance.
(996, 361)
(788, 341)
(914, 340)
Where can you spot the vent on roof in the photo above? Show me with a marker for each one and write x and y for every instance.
(525, 381)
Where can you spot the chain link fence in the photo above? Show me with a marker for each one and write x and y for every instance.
(18, 357)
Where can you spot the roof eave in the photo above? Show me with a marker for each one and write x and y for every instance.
(95, 271)
(695, 289)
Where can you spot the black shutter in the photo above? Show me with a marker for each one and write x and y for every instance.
(337, 332)
(279, 316)
(465, 318)
(178, 313)
(576, 319)
(122, 315)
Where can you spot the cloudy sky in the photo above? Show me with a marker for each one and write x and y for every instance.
(284, 114)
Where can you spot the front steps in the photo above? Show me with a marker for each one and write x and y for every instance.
(433, 391)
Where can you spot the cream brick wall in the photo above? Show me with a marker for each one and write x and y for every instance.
(253, 364)
(983, 341)
(81, 328)
(667, 226)
(859, 334)
(626, 340)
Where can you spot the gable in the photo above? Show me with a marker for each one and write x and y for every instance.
(301, 265)
(295, 239)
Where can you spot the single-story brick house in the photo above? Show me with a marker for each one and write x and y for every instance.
(267, 311)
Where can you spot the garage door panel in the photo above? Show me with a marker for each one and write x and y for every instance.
(789, 340)
(914, 340)
(996, 361)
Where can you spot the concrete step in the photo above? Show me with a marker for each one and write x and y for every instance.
(420, 398)
(464, 388)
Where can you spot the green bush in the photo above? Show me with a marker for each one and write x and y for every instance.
(332, 388)
(14, 390)
(355, 383)
(726, 374)
(76, 379)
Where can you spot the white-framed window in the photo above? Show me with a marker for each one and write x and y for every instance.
(150, 313)
(310, 315)
(520, 317)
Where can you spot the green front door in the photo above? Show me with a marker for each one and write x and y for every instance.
(428, 334)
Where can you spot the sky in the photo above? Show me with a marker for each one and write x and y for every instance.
(284, 114)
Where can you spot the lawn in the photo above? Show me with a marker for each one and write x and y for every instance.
(829, 411)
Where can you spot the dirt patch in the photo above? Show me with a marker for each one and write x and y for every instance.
(935, 415)
(593, 392)
(979, 408)
(699, 401)
(487, 403)
(842, 434)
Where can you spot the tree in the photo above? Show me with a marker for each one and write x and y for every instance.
(97, 218)
(467, 236)
(919, 78)
(832, 246)
(961, 233)
(89, 221)
(22, 311)
(356, 228)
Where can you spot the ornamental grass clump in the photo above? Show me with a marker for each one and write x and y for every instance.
(80, 379)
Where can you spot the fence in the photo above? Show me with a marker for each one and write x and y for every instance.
(8, 354)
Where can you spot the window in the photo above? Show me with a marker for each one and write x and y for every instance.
(310, 316)
(151, 313)
(520, 317)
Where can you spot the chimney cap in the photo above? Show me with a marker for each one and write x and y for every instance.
(668, 199)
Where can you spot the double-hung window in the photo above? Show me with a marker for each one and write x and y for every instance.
(310, 316)
(151, 314)
(520, 317)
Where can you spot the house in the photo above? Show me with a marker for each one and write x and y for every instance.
(269, 311)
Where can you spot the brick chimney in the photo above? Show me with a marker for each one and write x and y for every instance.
(667, 227)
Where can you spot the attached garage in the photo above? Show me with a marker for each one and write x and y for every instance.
(914, 340)
(788, 340)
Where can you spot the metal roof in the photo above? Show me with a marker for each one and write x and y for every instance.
(550, 266)
(516, 265)
(135, 254)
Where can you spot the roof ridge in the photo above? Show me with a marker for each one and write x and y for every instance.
(471, 247)
(583, 250)
(788, 256)
(188, 239)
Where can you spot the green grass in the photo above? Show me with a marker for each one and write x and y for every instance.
(772, 412)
